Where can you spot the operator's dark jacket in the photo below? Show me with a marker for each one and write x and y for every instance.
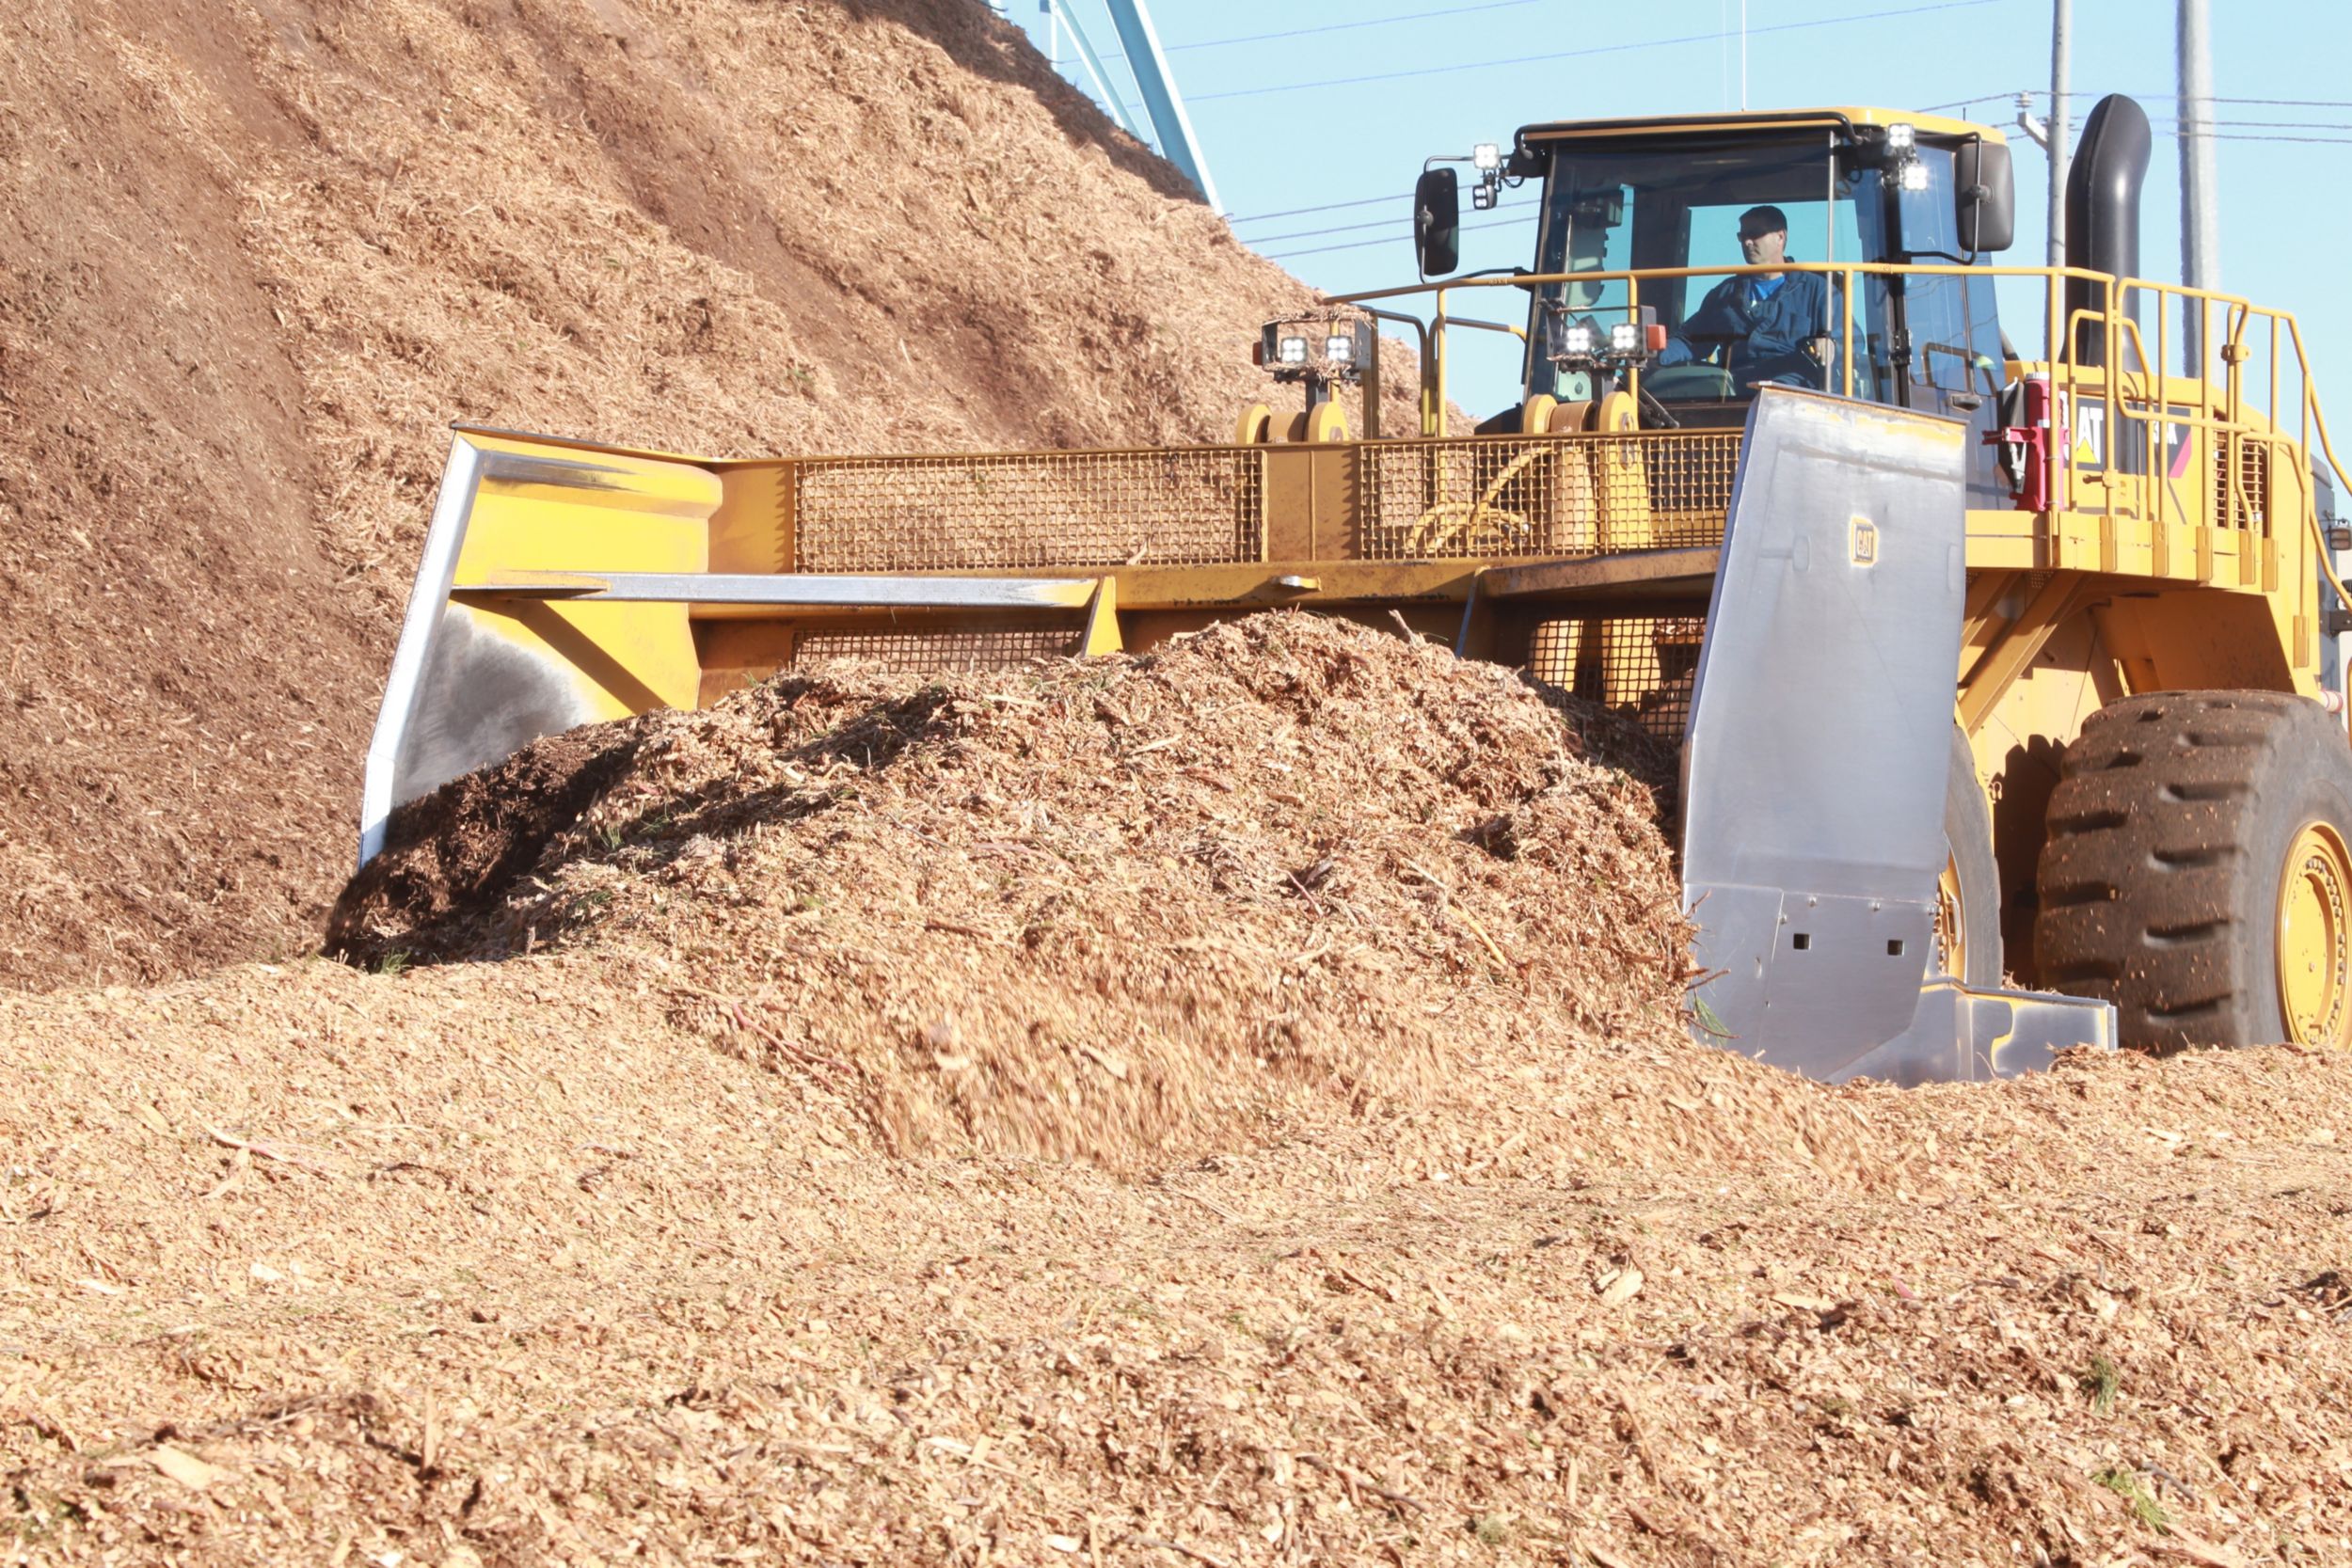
(1765, 339)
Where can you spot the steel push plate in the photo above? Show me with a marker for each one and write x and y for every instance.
(1815, 762)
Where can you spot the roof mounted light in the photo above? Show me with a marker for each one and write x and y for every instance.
(1903, 157)
(1487, 158)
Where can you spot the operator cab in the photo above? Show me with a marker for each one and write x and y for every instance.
(1666, 197)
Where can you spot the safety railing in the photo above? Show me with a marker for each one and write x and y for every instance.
(2125, 426)
(2119, 405)
(1410, 499)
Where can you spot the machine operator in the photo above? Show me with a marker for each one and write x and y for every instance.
(1761, 327)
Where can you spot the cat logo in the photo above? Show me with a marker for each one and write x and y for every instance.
(1862, 537)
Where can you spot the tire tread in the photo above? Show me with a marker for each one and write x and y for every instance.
(2144, 876)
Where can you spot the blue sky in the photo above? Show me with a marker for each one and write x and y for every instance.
(2284, 227)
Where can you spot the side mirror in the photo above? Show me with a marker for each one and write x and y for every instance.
(1984, 192)
(1437, 222)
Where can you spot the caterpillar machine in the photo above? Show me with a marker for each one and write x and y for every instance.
(2008, 690)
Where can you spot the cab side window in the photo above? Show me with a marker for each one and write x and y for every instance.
(1954, 334)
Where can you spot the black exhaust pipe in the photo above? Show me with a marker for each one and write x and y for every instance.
(2103, 216)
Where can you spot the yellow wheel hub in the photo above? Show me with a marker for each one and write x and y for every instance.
(1951, 925)
(2316, 938)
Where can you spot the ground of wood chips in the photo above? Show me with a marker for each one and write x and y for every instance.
(1223, 1108)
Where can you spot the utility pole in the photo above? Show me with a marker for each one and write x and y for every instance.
(2061, 24)
(2200, 221)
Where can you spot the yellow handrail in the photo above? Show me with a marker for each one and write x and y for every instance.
(2319, 422)
(2115, 327)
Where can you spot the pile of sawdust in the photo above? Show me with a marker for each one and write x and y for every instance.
(1129, 910)
(255, 258)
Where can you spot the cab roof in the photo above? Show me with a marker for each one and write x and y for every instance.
(1721, 123)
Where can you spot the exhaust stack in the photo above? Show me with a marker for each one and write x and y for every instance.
(2103, 215)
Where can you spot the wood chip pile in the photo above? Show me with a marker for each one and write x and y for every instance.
(1125, 911)
(1226, 1107)
(254, 260)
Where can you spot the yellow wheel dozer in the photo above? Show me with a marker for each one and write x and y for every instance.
(2008, 688)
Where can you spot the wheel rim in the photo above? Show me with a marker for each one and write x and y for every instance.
(2316, 938)
(1951, 924)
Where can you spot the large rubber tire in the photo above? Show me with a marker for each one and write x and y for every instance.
(2192, 836)
(1969, 898)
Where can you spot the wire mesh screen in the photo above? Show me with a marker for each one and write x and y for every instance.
(1184, 506)
(1452, 500)
(1547, 496)
(939, 650)
(1419, 500)
(1643, 667)
(2246, 504)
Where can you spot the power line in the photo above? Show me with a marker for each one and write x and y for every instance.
(2217, 130)
(1327, 207)
(2013, 93)
(1968, 102)
(1583, 53)
(1344, 26)
(1376, 223)
(2167, 93)
(1333, 27)
(1388, 224)
(2267, 124)
(1389, 239)
(2307, 141)
(2235, 130)
(2282, 102)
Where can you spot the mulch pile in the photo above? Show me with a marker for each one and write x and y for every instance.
(1221, 1107)
(1113, 909)
(254, 260)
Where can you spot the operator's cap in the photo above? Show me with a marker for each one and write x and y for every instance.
(1763, 220)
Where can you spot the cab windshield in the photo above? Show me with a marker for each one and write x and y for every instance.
(1917, 341)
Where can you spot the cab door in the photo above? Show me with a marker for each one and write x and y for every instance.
(1944, 353)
